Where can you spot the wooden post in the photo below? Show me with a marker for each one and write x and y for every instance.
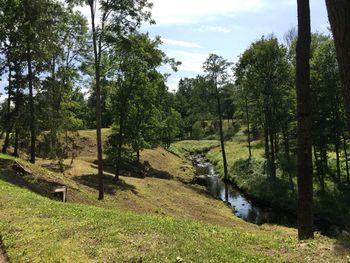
(61, 193)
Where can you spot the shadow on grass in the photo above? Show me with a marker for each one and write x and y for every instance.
(202, 190)
(111, 186)
(37, 185)
(342, 246)
(136, 169)
(55, 167)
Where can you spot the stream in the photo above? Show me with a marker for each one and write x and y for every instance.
(242, 206)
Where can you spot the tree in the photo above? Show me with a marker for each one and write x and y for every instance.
(304, 146)
(117, 19)
(263, 77)
(216, 68)
(137, 98)
(56, 107)
(327, 112)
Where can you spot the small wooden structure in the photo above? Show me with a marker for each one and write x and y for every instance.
(60, 193)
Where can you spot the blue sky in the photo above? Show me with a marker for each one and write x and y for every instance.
(192, 29)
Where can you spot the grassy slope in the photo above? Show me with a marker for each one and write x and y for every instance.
(250, 177)
(153, 218)
(37, 229)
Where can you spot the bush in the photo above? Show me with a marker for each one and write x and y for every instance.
(197, 131)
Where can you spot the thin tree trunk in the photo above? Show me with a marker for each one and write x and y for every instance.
(97, 55)
(222, 138)
(339, 18)
(287, 154)
(304, 142)
(322, 163)
(319, 169)
(15, 147)
(273, 159)
(337, 161)
(31, 104)
(8, 113)
(346, 159)
(272, 148)
(138, 155)
(120, 145)
(17, 107)
(267, 150)
(248, 126)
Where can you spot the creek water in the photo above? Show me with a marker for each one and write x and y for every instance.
(245, 208)
(241, 205)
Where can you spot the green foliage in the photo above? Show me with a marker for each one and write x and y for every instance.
(184, 148)
(139, 98)
(197, 131)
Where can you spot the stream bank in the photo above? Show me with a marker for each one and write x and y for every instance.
(245, 207)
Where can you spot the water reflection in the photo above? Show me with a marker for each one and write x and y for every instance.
(241, 206)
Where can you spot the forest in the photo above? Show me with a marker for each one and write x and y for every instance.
(86, 106)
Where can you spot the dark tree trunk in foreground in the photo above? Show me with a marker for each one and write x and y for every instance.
(97, 55)
(304, 153)
(339, 18)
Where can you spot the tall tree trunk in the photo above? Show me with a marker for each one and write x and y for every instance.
(8, 112)
(31, 104)
(272, 148)
(336, 145)
(285, 134)
(276, 142)
(17, 100)
(339, 18)
(319, 169)
(222, 137)
(346, 158)
(323, 163)
(267, 150)
(120, 144)
(248, 127)
(15, 146)
(97, 56)
(138, 155)
(304, 144)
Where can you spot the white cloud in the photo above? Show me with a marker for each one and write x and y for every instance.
(219, 29)
(182, 12)
(191, 61)
(173, 83)
(185, 12)
(178, 43)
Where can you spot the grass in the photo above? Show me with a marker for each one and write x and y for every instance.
(184, 148)
(250, 176)
(37, 229)
(160, 220)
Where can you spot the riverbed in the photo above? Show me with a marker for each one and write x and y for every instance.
(243, 206)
